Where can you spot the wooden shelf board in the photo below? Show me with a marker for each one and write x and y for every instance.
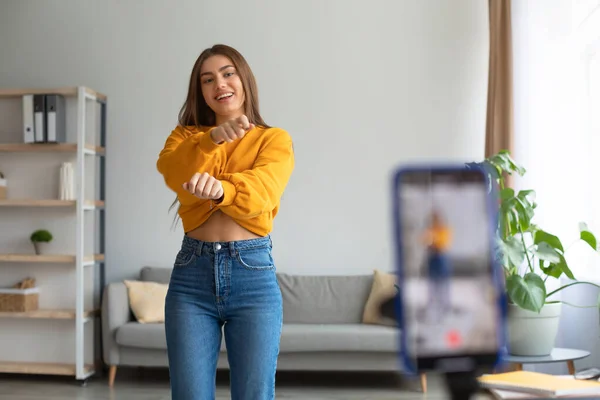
(15, 367)
(46, 314)
(65, 91)
(46, 203)
(46, 258)
(47, 148)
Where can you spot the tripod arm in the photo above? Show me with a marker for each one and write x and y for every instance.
(461, 385)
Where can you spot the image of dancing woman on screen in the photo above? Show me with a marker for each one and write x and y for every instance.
(438, 237)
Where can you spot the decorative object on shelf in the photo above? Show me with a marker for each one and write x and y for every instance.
(39, 239)
(529, 256)
(26, 283)
(66, 182)
(22, 297)
(3, 186)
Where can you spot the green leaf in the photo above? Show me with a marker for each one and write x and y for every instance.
(528, 292)
(524, 212)
(500, 253)
(587, 236)
(555, 270)
(507, 193)
(545, 252)
(527, 197)
(552, 240)
(503, 160)
(514, 251)
(565, 268)
(517, 211)
(514, 222)
(505, 217)
(524, 194)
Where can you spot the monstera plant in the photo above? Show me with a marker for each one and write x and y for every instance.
(529, 254)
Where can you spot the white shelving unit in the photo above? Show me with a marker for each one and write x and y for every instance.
(74, 275)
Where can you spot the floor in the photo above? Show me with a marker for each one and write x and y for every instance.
(139, 384)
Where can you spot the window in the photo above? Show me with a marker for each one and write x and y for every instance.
(587, 39)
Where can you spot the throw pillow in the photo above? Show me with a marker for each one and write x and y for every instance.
(382, 290)
(147, 300)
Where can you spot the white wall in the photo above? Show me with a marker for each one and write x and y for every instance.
(361, 85)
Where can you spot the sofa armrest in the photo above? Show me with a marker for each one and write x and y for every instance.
(115, 313)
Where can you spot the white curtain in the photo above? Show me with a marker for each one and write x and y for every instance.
(555, 82)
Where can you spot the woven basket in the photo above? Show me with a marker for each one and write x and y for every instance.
(19, 300)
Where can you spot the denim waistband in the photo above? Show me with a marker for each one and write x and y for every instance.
(202, 247)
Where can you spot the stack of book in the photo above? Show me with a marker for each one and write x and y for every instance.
(535, 385)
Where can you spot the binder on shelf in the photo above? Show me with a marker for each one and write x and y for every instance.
(39, 116)
(28, 126)
(44, 118)
(55, 118)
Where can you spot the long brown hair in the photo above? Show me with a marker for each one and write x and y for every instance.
(195, 112)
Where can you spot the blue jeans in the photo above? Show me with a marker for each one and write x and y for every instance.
(439, 282)
(230, 286)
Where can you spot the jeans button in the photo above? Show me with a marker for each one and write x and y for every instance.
(218, 246)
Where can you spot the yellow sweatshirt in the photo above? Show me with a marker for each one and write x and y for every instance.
(254, 172)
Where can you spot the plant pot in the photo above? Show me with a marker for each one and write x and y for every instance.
(40, 247)
(531, 333)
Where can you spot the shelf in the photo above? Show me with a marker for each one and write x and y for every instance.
(41, 368)
(48, 258)
(48, 203)
(46, 314)
(65, 91)
(85, 143)
(49, 148)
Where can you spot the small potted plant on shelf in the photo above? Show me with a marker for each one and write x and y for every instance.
(3, 186)
(529, 256)
(39, 239)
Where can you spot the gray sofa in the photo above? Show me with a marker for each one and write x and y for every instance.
(322, 327)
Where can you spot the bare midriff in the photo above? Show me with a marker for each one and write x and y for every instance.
(220, 227)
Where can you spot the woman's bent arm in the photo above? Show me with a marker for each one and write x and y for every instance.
(252, 192)
(186, 153)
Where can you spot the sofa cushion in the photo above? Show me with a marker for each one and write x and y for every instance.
(294, 337)
(146, 336)
(382, 291)
(147, 300)
(338, 337)
(156, 274)
(324, 299)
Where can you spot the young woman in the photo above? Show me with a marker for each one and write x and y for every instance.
(229, 170)
(438, 238)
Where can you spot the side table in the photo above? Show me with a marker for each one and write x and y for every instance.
(557, 355)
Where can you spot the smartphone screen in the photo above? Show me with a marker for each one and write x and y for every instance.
(449, 296)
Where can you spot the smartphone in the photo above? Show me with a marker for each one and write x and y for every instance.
(451, 304)
(591, 374)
